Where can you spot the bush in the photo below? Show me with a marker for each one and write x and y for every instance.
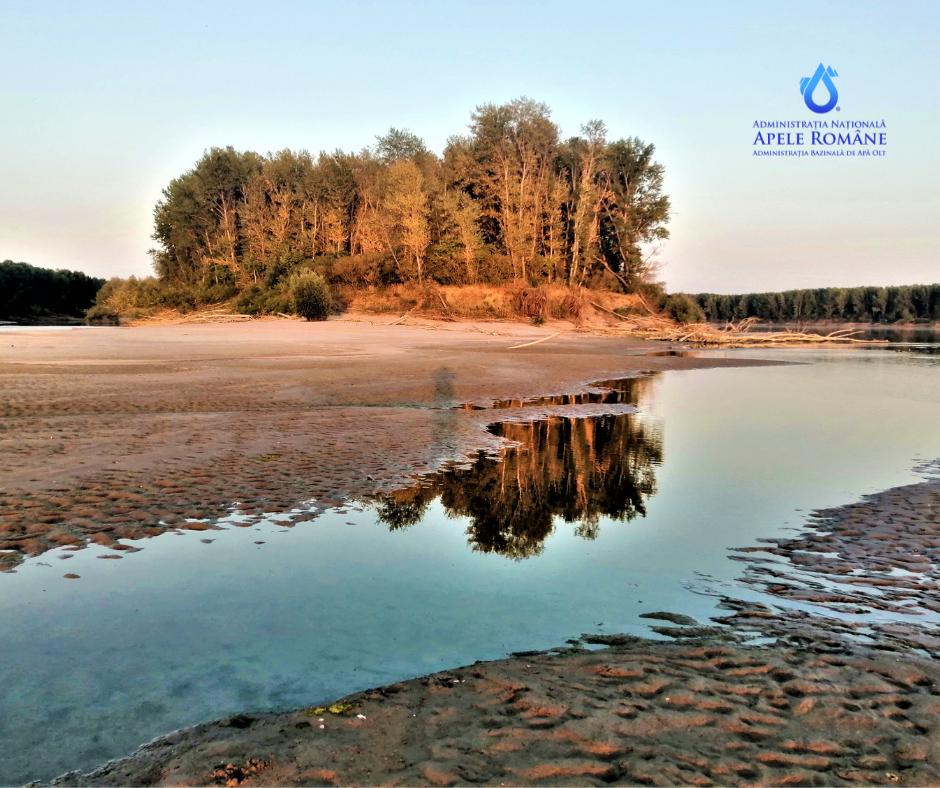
(629, 310)
(570, 306)
(653, 294)
(531, 302)
(102, 316)
(256, 300)
(495, 269)
(361, 270)
(312, 298)
(684, 309)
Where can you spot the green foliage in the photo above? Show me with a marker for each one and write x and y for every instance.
(102, 316)
(258, 301)
(31, 293)
(684, 309)
(312, 298)
(628, 311)
(133, 297)
(854, 305)
(361, 270)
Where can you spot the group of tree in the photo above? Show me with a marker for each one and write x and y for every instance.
(29, 293)
(509, 201)
(852, 304)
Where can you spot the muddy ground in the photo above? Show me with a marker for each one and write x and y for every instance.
(123, 433)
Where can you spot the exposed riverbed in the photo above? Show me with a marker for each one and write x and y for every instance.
(596, 513)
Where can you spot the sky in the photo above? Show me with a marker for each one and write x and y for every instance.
(102, 104)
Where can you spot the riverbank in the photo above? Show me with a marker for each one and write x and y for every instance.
(829, 703)
(637, 713)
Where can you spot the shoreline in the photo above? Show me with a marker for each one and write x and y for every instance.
(192, 418)
(751, 705)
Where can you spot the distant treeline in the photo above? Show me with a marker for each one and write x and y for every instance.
(30, 293)
(848, 304)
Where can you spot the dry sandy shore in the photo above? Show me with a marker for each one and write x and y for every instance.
(123, 433)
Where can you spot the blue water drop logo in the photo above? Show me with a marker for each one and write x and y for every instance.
(808, 85)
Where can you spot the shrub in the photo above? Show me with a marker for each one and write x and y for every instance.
(312, 298)
(531, 301)
(102, 316)
(684, 309)
(256, 300)
(572, 305)
(248, 302)
(651, 294)
(628, 310)
(361, 270)
(495, 269)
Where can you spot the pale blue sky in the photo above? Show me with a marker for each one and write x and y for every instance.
(102, 104)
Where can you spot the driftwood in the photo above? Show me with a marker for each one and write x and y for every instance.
(404, 316)
(538, 341)
(732, 334)
(605, 309)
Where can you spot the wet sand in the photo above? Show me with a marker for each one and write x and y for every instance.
(124, 433)
(640, 713)
(129, 432)
(869, 571)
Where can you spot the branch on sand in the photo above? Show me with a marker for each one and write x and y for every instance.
(538, 341)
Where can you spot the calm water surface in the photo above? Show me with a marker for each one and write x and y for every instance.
(580, 526)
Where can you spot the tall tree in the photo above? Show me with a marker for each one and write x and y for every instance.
(512, 149)
(635, 210)
(407, 202)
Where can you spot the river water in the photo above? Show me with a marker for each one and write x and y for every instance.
(584, 523)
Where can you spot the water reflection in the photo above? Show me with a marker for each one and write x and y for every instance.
(577, 469)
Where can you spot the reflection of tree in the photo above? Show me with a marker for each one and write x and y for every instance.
(574, 468)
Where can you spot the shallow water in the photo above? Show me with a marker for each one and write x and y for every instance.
(581, 526)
